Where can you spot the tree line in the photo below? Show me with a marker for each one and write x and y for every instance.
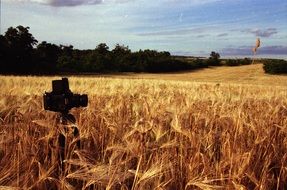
(21, 53)
(275, 66)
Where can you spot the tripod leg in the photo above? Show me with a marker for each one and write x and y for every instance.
(77, 135)
(61, 153)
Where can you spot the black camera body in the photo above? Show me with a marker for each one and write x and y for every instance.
(61, 99)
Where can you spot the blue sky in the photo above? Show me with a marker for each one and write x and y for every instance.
(185, 27)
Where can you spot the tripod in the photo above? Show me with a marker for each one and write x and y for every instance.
(64, 119)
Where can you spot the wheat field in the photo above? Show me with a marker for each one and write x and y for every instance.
(145, 134)
(245, 74)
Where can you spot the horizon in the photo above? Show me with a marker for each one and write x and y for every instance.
(182, 27)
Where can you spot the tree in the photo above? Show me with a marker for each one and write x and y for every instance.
(19, 56)
(20, 37)
(214, 59)
(67, 50)
(20, 49)
(121, 56)
(121, 50)
(66, 60)
(47, 56)
(102, 48)
(214, 55)
(4, 50)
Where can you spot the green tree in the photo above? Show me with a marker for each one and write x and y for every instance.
(4, 54)
(275, 66)
(214, 55)
(47, 56)
(102, 48)
(121, 58)
(214, 59)
(20, 49)
(66, 61)
(20, 37)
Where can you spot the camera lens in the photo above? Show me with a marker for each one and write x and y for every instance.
(83, 100)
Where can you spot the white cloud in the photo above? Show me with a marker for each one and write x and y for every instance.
(262, 32)
(61, 3)
(191, 2)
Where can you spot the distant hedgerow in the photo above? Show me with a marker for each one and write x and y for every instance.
(238, 62)
(275, 66)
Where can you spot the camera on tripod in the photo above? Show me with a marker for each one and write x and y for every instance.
(61, 99)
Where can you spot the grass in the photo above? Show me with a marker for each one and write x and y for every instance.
(146, 134)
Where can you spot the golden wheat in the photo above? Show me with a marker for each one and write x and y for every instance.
(146, 134)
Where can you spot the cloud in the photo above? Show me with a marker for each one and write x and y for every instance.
(276, 50)
(222, 35)
(202, 35)
(173, 32)
(262, 33)
(190, 2)
(244, 50)
(247, 50)
(69, 3)
(64, 3)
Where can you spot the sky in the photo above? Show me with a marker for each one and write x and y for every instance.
(182, 27)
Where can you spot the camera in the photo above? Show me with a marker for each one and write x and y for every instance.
(61, 99)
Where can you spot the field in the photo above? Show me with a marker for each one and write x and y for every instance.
(149, 131)
(249, 74)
